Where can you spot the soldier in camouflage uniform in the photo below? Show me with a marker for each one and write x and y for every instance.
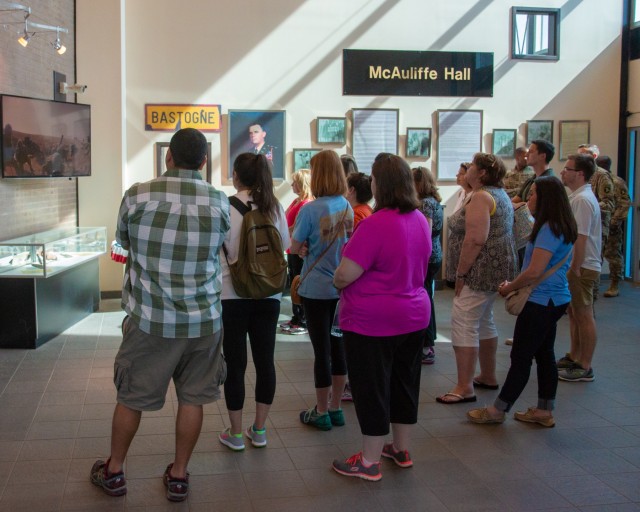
(613, 249)
(517, 177)
(602, 186)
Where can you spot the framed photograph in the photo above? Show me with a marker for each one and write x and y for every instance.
(539, 130)
(418, 143)
(459, 138)
(572, 134)
(331, 130)
(258, 132)
(161, 154)
(375, 130)
(302, 157)
(503, 143)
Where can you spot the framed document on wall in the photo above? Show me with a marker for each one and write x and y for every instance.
(375, 130)
(572, 134)
(459, 138)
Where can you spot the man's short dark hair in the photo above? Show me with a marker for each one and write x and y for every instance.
(544, 146)
(604, 161)
(188, 148)
(585, 163)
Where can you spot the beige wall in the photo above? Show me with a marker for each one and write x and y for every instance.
(101, 64)
(286, 55)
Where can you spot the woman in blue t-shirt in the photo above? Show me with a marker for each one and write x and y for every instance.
(321, 229)
(552, 237)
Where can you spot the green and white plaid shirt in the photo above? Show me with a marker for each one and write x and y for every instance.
(173, 227)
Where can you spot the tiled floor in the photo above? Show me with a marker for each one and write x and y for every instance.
(56, 403)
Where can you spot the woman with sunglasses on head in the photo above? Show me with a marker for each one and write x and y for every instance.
(480, 255)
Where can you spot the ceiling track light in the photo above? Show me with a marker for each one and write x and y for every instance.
(57, 44)
(28, 32)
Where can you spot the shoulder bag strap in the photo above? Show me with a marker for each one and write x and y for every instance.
(335, 237)
(552, 270)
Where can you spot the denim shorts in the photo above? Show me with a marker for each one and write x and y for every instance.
(146, 364)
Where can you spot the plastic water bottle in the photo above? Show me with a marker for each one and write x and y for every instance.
(335, 326)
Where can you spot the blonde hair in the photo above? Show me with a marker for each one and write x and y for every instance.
(327, 175)
(302, 177)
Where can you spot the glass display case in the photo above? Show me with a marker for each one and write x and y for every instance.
(42, 255)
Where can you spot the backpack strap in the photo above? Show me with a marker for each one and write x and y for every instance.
(243, 209)
(239, 205)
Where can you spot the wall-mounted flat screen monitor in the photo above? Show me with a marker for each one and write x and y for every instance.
(44, 139)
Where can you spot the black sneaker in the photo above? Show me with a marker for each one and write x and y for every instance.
(177, 488)
(113, 484)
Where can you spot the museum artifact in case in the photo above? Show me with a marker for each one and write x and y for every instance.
(48, 253)
(48, 282)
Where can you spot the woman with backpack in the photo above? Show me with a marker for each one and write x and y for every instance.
(321, 230)
(241, 316)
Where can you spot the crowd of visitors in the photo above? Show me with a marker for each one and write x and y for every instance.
(364, 249)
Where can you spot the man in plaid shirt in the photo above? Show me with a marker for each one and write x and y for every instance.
(173, 227)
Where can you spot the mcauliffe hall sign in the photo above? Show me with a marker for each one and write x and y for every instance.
(402, 73)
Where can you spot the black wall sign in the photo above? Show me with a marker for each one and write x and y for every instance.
(400, 73)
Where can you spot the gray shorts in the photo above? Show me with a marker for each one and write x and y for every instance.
(145, 365)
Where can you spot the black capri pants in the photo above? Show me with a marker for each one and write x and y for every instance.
(328, 350)
(258, 318)
(384, 373)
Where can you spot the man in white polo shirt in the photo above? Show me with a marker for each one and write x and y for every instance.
(584, 271)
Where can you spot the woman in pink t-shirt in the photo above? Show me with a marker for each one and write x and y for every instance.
(301, 185)
(384, 310)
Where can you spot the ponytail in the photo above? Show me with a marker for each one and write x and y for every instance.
(254, 172)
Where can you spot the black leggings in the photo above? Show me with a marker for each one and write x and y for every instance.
(328, 350)
(259, 319)
(430, 334)
(534, 337)
(295, 262)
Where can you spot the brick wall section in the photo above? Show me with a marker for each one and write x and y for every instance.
(33, 205)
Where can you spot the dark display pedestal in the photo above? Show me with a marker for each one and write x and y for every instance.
(35, 310)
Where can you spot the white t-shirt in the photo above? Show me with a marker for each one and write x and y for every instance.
(232, 242)
(587, 214)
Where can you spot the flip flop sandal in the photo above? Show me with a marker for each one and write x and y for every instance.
(482, 385)
(459, 399)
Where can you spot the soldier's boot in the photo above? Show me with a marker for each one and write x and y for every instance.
(613, 289)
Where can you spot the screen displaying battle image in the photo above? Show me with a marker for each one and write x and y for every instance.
(44, 139)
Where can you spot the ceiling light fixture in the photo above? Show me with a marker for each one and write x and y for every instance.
(31, 28)
(57, 44)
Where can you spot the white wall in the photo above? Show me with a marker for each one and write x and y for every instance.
(286, 54)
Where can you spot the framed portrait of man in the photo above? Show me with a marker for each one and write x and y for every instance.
(258, 132)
